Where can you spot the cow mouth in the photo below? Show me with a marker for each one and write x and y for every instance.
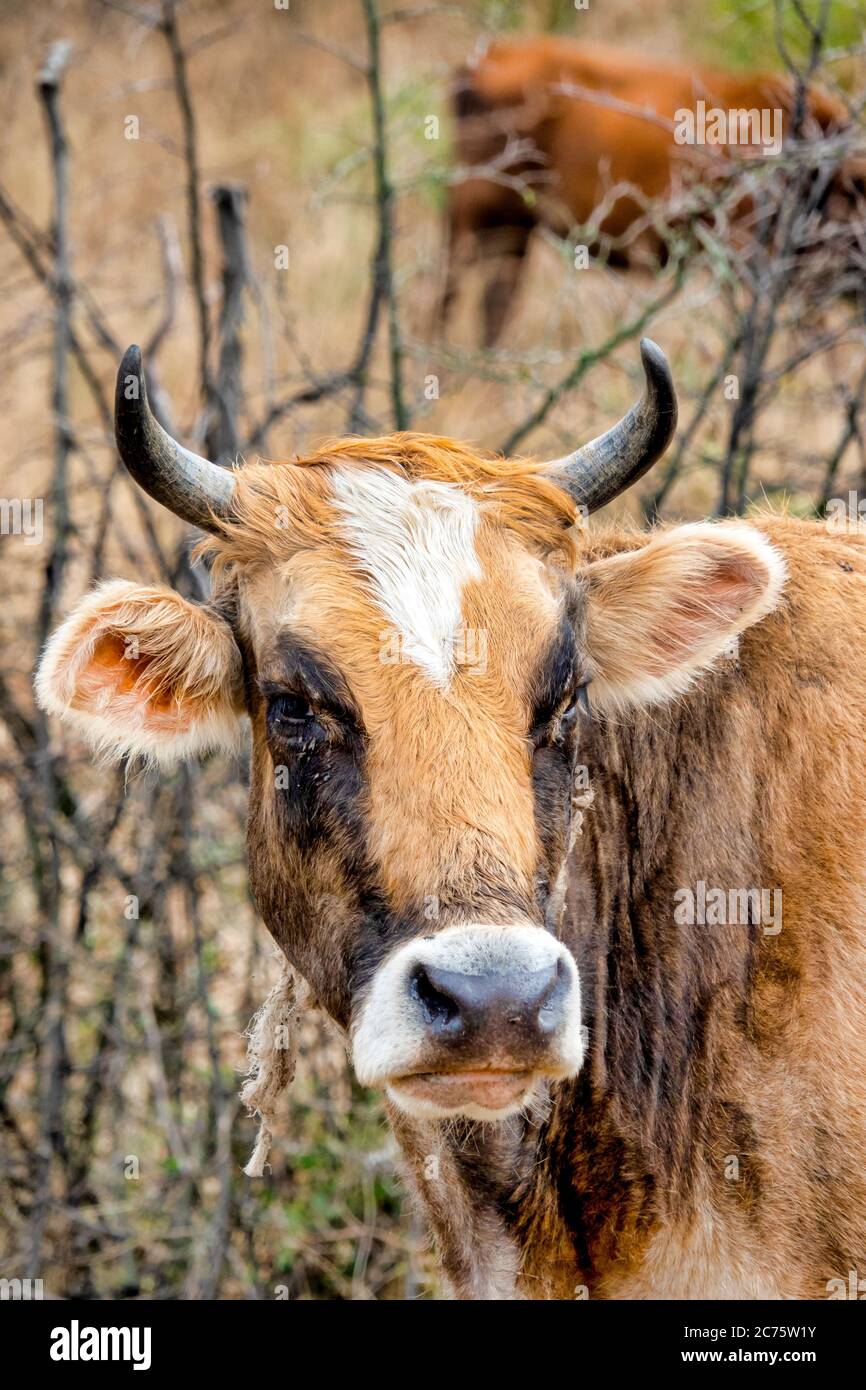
(485, 1090)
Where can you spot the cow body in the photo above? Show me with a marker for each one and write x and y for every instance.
(607, 969)
(560, 134)
(713, 1144)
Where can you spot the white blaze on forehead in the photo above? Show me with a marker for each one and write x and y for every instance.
(416, 543)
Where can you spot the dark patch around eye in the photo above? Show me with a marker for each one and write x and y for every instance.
(557, 678)
(308, 676)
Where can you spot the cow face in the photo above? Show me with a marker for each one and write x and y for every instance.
(414, 715)
(411, 630)
(412, 655)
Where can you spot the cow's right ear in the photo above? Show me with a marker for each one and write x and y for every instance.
(139, 670)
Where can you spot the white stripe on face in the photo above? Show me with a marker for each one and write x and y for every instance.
(416, 543)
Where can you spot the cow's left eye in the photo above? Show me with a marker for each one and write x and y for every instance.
(580, 702)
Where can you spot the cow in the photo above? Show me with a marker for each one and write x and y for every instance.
(562, 827)
(554, 133)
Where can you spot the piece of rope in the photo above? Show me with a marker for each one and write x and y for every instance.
(272, 1056)
(580, 801)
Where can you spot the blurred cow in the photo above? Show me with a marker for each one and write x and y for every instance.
(559, 134)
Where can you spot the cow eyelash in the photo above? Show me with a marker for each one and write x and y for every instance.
(296, 717)
(577, 704)
(292, 720)
(580, 700)
(291, 710)
(551, 721)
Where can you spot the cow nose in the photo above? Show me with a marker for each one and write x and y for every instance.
(525, 1007)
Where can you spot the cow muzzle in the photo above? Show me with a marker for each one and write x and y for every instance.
(469, 1021)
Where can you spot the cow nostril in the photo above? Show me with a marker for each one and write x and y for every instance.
(549, 1003)
(439, 1008)
(455, 1004)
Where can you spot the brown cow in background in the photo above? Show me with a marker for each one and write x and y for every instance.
(557, 129)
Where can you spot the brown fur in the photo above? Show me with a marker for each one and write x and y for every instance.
(711, 1043)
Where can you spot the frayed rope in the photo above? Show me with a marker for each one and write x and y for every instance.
(272, 1056)
(581, 800)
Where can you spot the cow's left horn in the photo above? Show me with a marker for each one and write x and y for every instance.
(605, 467)
(193, 488)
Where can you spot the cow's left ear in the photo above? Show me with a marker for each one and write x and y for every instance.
(658, 616)
(139, 670)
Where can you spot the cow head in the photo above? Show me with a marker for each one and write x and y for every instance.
(412, 632)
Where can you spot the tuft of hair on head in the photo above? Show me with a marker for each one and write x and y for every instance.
(281, 507)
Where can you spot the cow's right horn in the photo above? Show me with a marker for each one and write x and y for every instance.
(605, 467)
(193, 488)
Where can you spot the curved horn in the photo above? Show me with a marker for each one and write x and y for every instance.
(191, 487)
(605, 467)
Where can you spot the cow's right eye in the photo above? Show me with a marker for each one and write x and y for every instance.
(290, 712)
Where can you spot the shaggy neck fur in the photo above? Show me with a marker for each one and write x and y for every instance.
(712, 1145)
